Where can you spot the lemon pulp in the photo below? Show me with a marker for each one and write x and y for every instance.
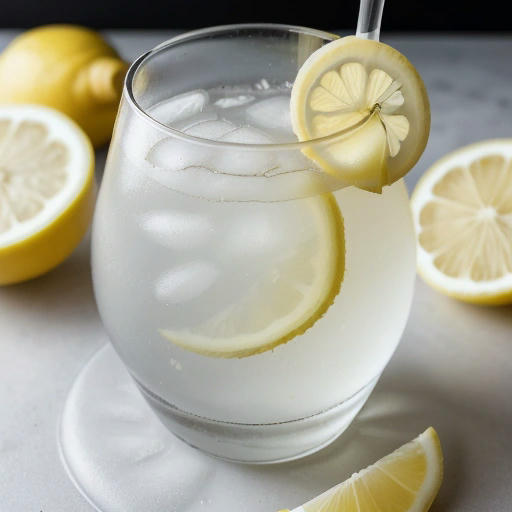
(463, 214)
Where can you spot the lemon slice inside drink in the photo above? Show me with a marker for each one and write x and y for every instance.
(406, 480)
(46, 190)
(373, 91)
(462, 209)
(291, 286)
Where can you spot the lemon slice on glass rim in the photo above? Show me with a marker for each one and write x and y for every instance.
(372, 88)
(406, 480)
(47, 190)
(462, 210)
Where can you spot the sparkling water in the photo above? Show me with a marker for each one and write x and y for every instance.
(186, 232)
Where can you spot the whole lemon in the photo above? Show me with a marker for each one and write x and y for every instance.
(69, 68)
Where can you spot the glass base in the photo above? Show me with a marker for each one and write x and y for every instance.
(122, 458)
(265, 443)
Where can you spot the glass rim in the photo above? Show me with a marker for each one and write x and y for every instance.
(128, 93)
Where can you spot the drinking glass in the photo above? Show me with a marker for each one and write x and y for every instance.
(254, 298)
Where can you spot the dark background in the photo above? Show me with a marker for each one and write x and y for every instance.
(399, 15)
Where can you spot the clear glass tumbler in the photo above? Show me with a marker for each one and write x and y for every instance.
(254, 299)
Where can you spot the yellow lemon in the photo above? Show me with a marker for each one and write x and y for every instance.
(69, 68)
(406, 480)
(47, 190)
(462, 209)
(373, 97)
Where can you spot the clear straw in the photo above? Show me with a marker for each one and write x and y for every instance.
(370, 16)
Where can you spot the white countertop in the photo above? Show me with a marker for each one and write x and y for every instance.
(453, 368)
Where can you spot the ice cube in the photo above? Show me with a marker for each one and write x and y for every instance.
(231, 173)
(134, 142)
(272, 114)
(185, 124)
(204, 183)
(236, 101)
(185, 282)
(179, 107)
(253, 235)
(173, 153)
(245, 162)
(212, 130)
(177, 230)
(176, 154)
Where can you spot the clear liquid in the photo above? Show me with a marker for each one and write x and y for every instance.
(164, 257)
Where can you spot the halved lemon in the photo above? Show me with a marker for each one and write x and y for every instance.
(46, 189)
(373, 90)
(406, 480)
(462, 209)
(280, 269)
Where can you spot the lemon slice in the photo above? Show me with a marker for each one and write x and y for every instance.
(372, 89)
(462, 209)
(283, 289)
(406, 480)
(46, 189)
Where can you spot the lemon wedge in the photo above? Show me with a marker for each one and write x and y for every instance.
(373, 91)
(406, 480)
(462, 209)
(292, 282)
(46, 190)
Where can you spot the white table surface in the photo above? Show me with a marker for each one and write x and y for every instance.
(453, 368)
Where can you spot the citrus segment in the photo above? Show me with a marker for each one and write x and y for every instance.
(463, 214)
(372, 89)
(406, 480)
